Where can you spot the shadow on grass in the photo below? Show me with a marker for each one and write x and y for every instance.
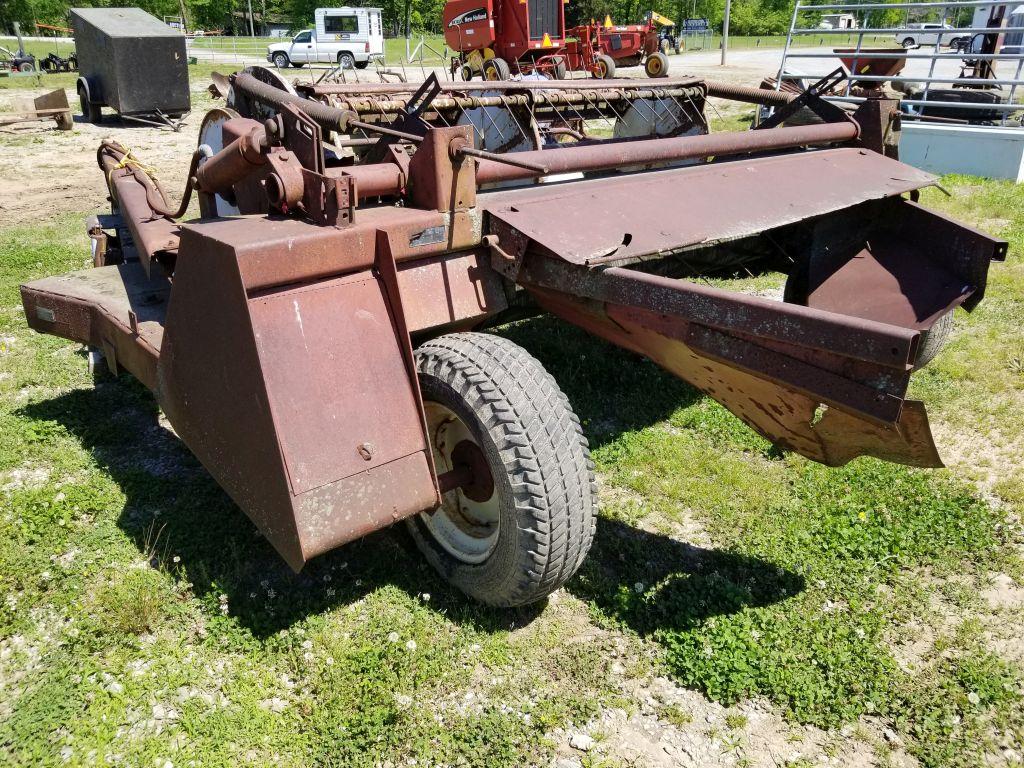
(174, 509)
(651, 582)
(612, 390)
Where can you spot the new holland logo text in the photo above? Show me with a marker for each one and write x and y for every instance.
(477, 14)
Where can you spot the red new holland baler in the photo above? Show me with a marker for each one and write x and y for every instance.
(498, 38)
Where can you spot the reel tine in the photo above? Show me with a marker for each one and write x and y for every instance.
(515, 120)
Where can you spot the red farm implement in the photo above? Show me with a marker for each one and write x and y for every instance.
(317, 335)
(601, 48)
(498, 38)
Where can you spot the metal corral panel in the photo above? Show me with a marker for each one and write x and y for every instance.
(134, 63)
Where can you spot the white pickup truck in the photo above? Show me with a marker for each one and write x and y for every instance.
(348, 37)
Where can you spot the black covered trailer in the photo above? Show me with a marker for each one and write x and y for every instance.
(131, 62)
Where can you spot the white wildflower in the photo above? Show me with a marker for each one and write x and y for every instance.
(411, 645)
(974, 698)
(392, 637)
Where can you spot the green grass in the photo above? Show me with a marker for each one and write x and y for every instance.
(144, 618)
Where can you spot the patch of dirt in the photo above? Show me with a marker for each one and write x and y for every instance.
(675, 726)
(56, 171)
(24, 477)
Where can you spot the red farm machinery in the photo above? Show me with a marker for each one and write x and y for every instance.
(498, 38)
(317, 335)
(601, 48)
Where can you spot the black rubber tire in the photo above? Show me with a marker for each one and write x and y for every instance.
(26, 66)
(281, 60)
(496, 69)
(91, 112)
(346, 60)
(466, 72)
(539, 461)
(606, 67)
(934, 340)
(559, 68)
(362, 64)
(908, 43)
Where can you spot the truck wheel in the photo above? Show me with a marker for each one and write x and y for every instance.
(656, 65)
(281, 60)
(908, 42)
(605, 67)
(525, 524)
(346, 60)
(496, 69)
(362, 64)
(934, 340)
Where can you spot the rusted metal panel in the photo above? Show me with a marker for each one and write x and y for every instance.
(338, 389)
(117, 309)
(471, 289)
(898, 263)
(617, 220)
(786, 417)
(280, 412)
(285, 251)
(788, 324)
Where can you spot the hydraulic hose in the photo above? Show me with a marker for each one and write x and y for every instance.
(113, 156)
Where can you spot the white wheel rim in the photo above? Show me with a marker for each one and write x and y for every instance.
(466, 529)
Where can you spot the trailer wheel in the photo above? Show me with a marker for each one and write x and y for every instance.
(91, 112)
(525, 523)
(26, 66)
(466, 72)
(281, 60)
(605, 66)
(496, 69)
(656, 65)
(933, 340)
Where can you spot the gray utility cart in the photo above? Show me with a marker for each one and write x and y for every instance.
(133, 63)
